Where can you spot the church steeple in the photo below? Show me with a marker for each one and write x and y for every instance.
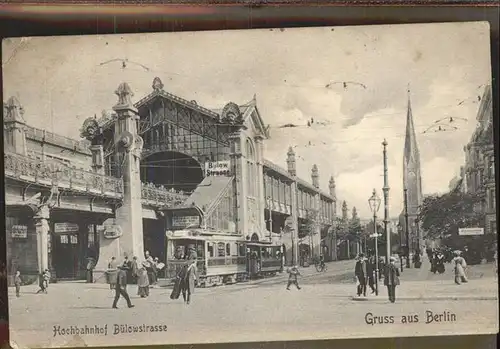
(411, 164)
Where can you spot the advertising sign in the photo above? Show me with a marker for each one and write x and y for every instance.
(217, 168)
(185, 221)
(19, 231)
(66, 228)
(471, 231)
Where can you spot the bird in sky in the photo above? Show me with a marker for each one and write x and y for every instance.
(345, 84)
(124, 62)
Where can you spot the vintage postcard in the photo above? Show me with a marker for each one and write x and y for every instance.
(250, 185)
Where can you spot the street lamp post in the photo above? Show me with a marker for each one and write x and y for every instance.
(270, 219)
(386, 206)
(374, 203)
(407, 226)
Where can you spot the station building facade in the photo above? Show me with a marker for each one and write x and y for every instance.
(161, 164)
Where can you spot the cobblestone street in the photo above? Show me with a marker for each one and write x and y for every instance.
(252, 311)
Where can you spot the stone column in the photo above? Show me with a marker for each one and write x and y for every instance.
(42, 241)
(129, 146)
(240, 189)
(97, 158)
(295, 221)
(260, 182)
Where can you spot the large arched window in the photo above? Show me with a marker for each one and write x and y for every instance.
(251, 173)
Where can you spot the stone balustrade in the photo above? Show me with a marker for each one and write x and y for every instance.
(49, 137)
(50, 173)
(161, 196)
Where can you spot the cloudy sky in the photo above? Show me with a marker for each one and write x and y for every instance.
(60, 81)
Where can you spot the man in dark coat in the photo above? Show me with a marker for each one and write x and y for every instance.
(391, 279)
(121, 288)
(360, 270)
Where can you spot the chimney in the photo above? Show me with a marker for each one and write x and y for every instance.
(315, 176)
(290, 161)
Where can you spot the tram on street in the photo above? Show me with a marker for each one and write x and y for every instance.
(221, 258)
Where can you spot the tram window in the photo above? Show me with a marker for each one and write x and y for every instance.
(64, 239)
(73, 239)
(228, 249)
(210, 247)
(221, 249)
(234, 249)
(241, 250)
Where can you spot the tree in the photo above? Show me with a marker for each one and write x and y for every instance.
(442, 215)
(354, 228)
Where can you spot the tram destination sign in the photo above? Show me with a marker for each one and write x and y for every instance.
(217, 168)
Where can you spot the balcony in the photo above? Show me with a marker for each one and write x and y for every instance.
(49, 173)
(162, 197)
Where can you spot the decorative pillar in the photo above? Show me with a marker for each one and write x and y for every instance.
(41, 218)
(259, 148)
(97, 158)
(14, 127)
(126, 237)
(240, 190)
(291, 163)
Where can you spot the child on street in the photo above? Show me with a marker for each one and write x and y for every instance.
(293, 272)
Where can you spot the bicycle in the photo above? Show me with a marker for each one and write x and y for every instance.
(319, 265)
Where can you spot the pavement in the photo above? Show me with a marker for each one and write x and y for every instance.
(261, 310)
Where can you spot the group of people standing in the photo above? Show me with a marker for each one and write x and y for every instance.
(186, 278)
(144, 274)
(366, 274)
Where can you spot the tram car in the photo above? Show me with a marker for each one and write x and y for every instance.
(264, 259)
(221, 258)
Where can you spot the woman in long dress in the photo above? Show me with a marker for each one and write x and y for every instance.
(459, 266)
(142, 282)
(189, 281)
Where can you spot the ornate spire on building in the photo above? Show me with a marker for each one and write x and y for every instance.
(332, 187)
(345, 217)
(125, 94)
(13, 111)
(315, 176)
(411, 164)
(290, 161)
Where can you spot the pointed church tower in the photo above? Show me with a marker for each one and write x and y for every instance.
(412, 180)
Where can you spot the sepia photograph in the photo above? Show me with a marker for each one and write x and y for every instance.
(250, 185)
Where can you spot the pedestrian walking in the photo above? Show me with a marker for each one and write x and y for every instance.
(134, 270)
(459, 267)
(17, 283)
(293, 273)
(112, 272)
(142, 282)
(360, 271)
(189, 281)
(43, 281)
(391, 279)
(121, 288)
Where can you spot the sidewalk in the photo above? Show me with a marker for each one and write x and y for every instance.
(479, 289)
